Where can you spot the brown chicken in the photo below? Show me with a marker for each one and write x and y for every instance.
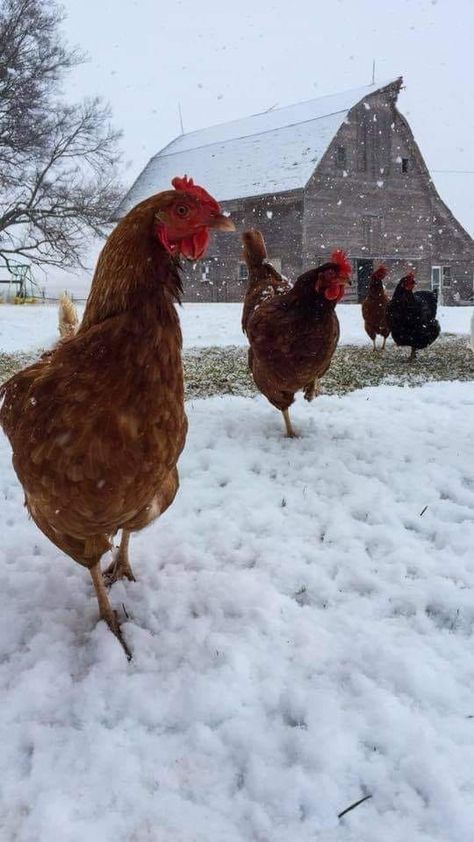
(292, 330)
(374, 308)
(97, 425)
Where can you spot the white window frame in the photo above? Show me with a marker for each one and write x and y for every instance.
(445, 284)
(205, 272)
(439, 286)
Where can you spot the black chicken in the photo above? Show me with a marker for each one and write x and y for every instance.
(411, 316)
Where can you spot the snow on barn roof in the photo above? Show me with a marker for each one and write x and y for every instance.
(271, 152)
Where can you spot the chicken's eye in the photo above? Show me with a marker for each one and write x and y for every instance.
(182, 210)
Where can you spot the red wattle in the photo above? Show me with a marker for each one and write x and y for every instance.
(194, 247)
(162, 234)
(335, 292)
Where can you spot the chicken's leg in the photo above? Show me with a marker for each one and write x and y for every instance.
(412, 356)
(120, 567)
(383, 343)
(290, 433)
(374, 340)
(106, 611)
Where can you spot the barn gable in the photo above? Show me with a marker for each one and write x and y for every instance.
(372, 194)
(273, 152)
(337, 171)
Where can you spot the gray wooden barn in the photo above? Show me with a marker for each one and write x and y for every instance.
(340, 171)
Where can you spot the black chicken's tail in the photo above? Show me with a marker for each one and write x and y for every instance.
(428, 302)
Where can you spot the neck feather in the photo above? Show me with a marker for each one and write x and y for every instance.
(133, 271)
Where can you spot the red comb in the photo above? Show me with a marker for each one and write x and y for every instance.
(187, 185)
(380, 273)
(344, 265)
(410, 276)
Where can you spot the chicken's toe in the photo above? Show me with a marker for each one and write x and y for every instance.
(119, 569)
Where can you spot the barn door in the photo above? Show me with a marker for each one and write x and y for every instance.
(364, 271)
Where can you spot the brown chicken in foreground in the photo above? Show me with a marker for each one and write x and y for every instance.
(97, 425)
(292, 330)
(374, 308)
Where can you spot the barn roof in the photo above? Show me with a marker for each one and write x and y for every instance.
(271, 152)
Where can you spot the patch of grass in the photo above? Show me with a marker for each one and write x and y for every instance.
(224, 371)
(211, 371)
(9, 363)
(217, 371)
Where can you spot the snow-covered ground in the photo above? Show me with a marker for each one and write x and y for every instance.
(302, 636)
(26, 328)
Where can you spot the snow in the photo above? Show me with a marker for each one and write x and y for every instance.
(28, 328)
(302, 635)
(277, 150)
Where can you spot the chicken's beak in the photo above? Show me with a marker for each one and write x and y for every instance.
(221, 222)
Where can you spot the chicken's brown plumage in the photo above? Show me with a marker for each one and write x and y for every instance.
(97, 425)
(292, 330)
(374, 308)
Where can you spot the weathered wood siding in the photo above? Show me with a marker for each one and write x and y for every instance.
(359, 198)
(280, 220)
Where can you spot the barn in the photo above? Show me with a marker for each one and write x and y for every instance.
(337, 171)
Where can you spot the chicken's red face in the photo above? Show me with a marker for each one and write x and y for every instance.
(185, 217)
(409, 281)
(334, 276)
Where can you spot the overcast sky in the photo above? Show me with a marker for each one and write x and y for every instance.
(224, 59)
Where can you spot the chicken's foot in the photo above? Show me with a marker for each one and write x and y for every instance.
(120, 567)
(290, 433)
(106, 611)
(375, 344)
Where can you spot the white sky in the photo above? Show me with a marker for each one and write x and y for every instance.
(223, 60)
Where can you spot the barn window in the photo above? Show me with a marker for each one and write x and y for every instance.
(205, 272)
(435, 278)
(446, 276)
(243, 274)
(341, 157)
(405, 164)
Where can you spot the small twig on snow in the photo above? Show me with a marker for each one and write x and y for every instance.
(353, 806)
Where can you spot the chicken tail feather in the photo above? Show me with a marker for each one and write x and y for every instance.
(254, 249)
(67, 317)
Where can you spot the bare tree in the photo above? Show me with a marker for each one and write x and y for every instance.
(57, 161)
